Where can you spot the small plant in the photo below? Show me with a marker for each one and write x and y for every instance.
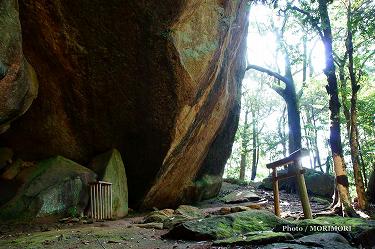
(73, 212)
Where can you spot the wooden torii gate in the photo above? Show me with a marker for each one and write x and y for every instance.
(294, 158)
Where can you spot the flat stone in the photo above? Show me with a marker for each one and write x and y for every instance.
(189, 212)
(239, 209)
(323, 238)
(152, 225)
(255, 238)
(158, 216)
(319, 240)
(241, 196)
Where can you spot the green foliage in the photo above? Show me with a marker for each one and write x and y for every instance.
(300, 38)
(73, 212)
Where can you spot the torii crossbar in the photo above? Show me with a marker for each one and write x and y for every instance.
(294, 158)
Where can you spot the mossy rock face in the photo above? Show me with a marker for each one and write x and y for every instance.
(53, 187)
(110, 168)
(255, 238)
(226, 226)
(204, 188)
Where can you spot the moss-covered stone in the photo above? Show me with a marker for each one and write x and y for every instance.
(206, 187)
(170, 217)
(158, 216)
(110, 168)
(189, 212)
(254, 238)
(219, 227)
(52, 187)
(354, 225)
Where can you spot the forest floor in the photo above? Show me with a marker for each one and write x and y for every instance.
(125, 233)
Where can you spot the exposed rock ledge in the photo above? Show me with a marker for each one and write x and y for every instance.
(159, 80)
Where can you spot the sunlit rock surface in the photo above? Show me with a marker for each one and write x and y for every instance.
(159, 80)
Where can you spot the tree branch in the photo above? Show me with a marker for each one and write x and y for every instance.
(269, 72)
(279, 90)
(312, 20)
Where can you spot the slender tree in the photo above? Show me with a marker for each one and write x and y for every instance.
(334, 106)
(353, 138)
(244, 146)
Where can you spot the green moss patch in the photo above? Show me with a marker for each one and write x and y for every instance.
(254, 238)
(220, 227)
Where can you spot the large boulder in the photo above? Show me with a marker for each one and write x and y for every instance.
(317, 183)
(18, 83)
(110, 168)
(55, 186)
(162, 85)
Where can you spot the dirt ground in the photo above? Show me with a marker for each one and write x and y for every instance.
(124, 233)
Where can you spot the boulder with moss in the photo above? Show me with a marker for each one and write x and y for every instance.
(255, 238)
(226, 226)
(206, 187)
(110, 168)
(170, 217)
(55, 186)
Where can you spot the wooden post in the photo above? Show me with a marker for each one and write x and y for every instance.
(276, 198)
(91, 201)
(302, 190)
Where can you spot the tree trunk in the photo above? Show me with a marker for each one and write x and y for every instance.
(255, 150)
(307, 135)
(342, 182)
(344, 99)
(317, 159)
(244, 147)
(281, 131)
(362, 200)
